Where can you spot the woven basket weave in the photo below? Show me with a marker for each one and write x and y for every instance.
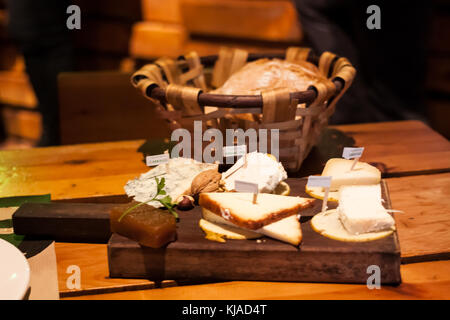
(179, 89)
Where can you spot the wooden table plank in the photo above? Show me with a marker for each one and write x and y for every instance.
(75, 171)
(93, 263)
(102, 169)
(423, 228)
(402, 147)
(427, 280)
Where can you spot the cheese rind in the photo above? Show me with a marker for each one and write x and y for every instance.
(214, 231)
(339, 169)
(361, 211)
(239, 208)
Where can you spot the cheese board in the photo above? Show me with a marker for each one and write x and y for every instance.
(191, 256)
(317, 259)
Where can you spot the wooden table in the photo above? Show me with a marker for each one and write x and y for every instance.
(415, 161)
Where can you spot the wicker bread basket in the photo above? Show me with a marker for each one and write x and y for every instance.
(179, 89)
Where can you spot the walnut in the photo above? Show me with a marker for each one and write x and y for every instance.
(206, 181)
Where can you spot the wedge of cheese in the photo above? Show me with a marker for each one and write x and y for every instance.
(361, 210)
(339, 169)
(219, 232)
(286, 230)
(239, 209)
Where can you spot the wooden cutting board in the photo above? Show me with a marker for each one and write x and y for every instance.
(317, 259)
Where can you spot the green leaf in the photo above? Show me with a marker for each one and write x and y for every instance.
(6, 223)
(162, 184)
(12, 238)
(18, 201)
(166, 201)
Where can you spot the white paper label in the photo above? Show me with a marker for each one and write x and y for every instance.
(231, 151)
(157, 159)
(352, 153)
(319, 181)
(245, 186)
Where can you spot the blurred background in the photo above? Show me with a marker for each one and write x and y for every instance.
(61, 86)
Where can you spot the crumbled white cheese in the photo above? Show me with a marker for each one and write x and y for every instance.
(178, 174)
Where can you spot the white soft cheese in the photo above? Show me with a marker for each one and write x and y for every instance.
(178, 174)
(361, 210)
(339, 170)
(261, 169)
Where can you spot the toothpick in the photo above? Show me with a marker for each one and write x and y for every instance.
(355, 161)
(167, 163)
(245, 160)
(325, 199)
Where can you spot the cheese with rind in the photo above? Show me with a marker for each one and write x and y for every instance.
(286, 230)
(339, 170)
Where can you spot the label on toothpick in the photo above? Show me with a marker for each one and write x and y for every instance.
(352, 153)
(245, 186)
(319, 181)
(158, 159)
(231, 151)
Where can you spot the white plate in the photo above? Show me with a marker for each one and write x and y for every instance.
(14, 272)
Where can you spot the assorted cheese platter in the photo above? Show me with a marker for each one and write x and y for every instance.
(280, 230)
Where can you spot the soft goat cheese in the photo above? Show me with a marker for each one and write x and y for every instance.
(261, 169)
(361, 210)
(178, 174)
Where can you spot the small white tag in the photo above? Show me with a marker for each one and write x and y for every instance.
(245, 186)
(158, 159)
(231, 151)
(352, 153)
(319, 181)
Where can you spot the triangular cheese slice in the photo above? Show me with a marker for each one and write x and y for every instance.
(287, 229)
(239, 209)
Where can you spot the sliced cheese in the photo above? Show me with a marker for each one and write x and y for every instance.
(319, 193)
(287, 229)
(329, 225)
(239, 208)
(339, 169)
(217, 232)
(361, 210)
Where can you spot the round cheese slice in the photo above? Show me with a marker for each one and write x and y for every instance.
(220, 232)
(328, 224)
(282, 189)
(318, 193)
